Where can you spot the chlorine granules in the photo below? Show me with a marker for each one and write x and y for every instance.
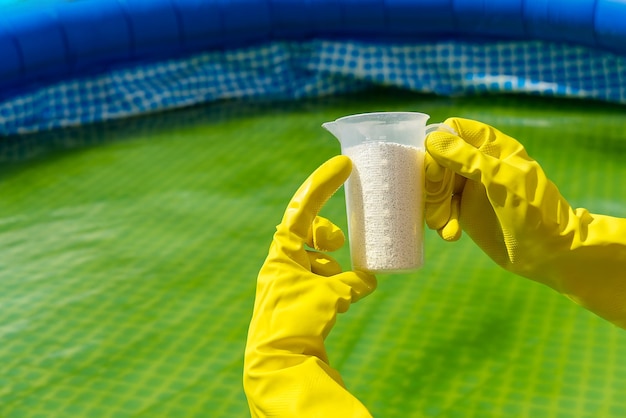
(385, 205)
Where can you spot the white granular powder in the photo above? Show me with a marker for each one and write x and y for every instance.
(385, 203)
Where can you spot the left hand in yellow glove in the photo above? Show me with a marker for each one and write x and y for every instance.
(299, 293)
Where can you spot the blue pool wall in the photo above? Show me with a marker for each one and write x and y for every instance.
(46, 42)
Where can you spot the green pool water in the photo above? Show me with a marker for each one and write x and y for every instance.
(129, 253)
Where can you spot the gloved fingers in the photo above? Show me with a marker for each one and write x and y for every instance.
(323, 264)
(510, 180)
(451, 231)
(437, 214)
(438, 184)
(459, 156)
(311, 196)
(442, 209)
(360, 284)
(490, 140)
(441, 185)
(434, 173)
(325, 235)
(473, 132)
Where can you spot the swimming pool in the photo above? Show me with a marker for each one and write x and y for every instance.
(132, 232)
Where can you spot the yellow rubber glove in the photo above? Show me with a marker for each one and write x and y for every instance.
(483, 182)
(299, 293)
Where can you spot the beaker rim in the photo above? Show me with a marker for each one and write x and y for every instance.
(384, 116)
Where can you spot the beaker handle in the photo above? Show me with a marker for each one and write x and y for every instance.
(434, 126)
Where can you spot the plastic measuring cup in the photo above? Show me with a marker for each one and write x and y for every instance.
(385, 191)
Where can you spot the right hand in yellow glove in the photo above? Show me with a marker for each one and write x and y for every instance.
(299, 293)
(483, 182)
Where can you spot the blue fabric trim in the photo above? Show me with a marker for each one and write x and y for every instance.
(44, 41)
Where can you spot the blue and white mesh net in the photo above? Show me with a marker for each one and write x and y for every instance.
(295, 70)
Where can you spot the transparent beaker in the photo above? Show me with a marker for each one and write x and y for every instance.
(385, 191)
